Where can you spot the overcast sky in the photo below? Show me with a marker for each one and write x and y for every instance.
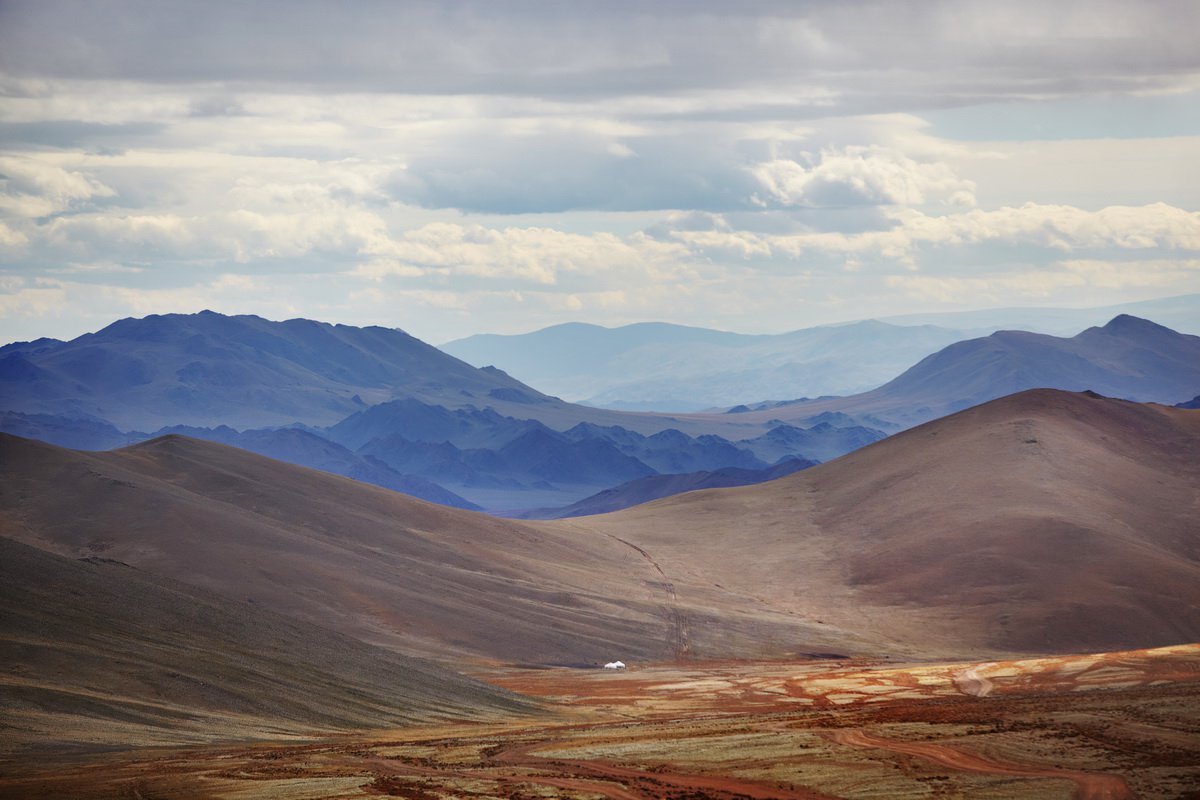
(460, 167)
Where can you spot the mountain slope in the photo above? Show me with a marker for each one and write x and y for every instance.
(208, 369)
(96, 651)
(1128, 357)
(362, 560)
(1041, 522)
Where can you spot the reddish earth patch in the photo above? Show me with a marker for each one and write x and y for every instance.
(1091, 785)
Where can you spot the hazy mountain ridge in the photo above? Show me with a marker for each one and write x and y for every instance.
(662, 367)
(1128, 357)
(502, 445)
(658, 366)
(393, 403)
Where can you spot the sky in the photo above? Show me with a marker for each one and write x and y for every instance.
(452, 168)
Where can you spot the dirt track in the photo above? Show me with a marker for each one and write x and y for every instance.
(1091, 786)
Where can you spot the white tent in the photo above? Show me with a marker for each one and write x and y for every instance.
(615, 665)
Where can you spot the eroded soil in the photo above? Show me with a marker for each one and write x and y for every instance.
(1123, 725)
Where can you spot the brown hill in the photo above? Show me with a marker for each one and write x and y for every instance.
(1042, 522)
(99, 652)
(355, 558)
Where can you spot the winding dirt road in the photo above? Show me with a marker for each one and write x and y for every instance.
(1090, 785)
(969, 681)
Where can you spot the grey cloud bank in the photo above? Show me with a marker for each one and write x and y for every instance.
(452, 168)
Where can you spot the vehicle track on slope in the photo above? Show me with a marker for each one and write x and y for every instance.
(680, 644)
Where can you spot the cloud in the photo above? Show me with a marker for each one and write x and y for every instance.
(1037, 284)
(862, 53)
(498, 164)
(32, 188)
(917, 239)
(862, 176)
(527, 254)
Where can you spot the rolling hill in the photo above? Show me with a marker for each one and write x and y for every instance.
(97, 652)
(381, 566)
(1044, 521)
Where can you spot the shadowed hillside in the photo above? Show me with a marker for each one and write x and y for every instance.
(373, 563)
(97, 651)
(1042, 522)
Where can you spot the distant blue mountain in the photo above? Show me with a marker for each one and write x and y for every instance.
(656, 487)
(661, 367)
(373, 404)
(1128, 358)
(208, 369)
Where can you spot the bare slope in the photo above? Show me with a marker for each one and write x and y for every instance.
(1042, 522)
(356, 558)
(97, 651)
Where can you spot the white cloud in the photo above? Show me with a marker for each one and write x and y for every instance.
(862, 176)
(530, 254)
(32, 188)
(1038, 284)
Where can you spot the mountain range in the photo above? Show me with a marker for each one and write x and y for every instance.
(1130, 358)
(476, 438)
(208, 369)
(369, 403)
(662, 367)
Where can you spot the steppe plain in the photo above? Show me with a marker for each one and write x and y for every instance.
(1118, 725)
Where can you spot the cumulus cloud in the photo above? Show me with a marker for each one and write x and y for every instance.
(862, 176)
(30, 187)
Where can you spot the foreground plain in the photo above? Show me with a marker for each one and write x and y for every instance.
(1117, 725)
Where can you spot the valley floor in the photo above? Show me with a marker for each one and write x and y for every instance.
(1118, 725)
